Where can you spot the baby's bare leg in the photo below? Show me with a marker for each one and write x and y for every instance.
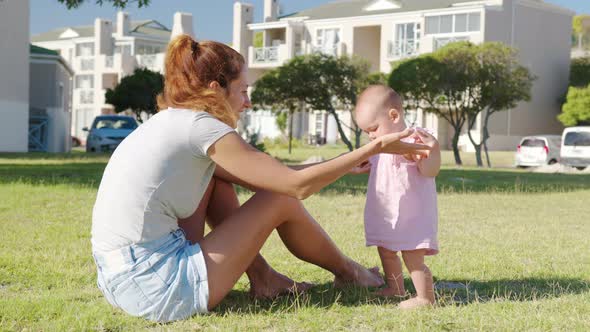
(421, 278)
(392, 267)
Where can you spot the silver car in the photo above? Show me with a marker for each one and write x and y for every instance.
(107, 131)
(538, 150)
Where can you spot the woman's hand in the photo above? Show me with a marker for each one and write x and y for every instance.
(391, 143)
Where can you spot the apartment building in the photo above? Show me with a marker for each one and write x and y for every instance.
(103, 53)
(383, 31)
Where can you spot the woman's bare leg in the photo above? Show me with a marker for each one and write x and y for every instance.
(218, 203)
(265, 282)
(232, 246)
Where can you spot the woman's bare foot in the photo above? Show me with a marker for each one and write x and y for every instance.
(415, 302)
(275, 284)
(358, 275)
(390, 292)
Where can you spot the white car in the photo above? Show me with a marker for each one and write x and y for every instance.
(575, 147)
(538, 150)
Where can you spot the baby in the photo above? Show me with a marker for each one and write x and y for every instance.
(401, 209)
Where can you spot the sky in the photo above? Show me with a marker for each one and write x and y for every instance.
(212, 19)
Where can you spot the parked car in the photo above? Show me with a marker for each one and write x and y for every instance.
(575, 147)
(538, 150)
(107, 131)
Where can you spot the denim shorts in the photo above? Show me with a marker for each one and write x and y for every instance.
(161, 280)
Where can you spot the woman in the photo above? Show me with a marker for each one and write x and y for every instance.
(177, 170)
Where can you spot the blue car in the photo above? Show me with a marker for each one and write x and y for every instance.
(107, 131)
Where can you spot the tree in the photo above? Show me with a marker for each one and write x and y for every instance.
(576, 111)
(580, 72)
(459, 81)
(436, 86)
(116, 3)
(272, 91)
(581, 29)
(501, 83)
(137, 92)
(320, 81)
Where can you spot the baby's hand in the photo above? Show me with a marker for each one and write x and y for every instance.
(424, 137)
(362, 168)
(413, 157)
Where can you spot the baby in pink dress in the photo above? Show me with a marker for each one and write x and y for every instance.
(401, 209)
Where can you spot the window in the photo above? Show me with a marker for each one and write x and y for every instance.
(532, 142)
(60, 95)
(123, 49)
(469, 22)
(115, 123)
(407, 40)
(577, 138)
(319, 124)
(85, 49)
(84, 82)
(327, 40)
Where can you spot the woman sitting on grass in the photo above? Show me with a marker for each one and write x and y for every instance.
(176, 171)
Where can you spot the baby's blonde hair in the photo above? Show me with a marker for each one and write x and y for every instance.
(381, 98)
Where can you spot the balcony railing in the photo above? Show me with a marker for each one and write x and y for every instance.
(266, 54)
(109, 61)
(147, 60)
(86, 96)
(440, 42)
(403, 49)
(87, 64)
(326, 49)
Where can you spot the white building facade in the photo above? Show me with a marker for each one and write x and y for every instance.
(383, 31)
(102, 54)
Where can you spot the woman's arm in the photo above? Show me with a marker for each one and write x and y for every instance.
(259, 170)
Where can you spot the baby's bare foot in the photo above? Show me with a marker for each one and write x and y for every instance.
(389, 292)
(415, 302)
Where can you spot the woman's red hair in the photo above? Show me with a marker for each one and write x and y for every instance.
(190, 67)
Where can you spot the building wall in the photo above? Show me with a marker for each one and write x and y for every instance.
(14, 75)
(543, 38)
(50, 90)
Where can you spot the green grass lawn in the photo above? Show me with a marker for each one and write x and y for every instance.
(516, 243)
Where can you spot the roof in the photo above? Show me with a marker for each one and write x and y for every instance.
(351, 8)
(41, 50)
(37, 52)
(150, 28)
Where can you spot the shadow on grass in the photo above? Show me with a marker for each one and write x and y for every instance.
(469, 292)
(515, 290)
(89, 173)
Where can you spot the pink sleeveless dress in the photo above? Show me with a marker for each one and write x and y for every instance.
(401, 209)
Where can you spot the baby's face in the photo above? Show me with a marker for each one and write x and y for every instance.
(375, 122)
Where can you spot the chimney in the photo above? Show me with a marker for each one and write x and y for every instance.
(271, 10)
(242, 36)
(183, 24)
(123, 24)
(103, 31)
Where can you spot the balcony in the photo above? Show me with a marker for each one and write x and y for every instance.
(403, 49)
(153, 62)
(86, 64)
(326, 49)
(109, 61)
(273, 56)
(441, 42)
(85, 96)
